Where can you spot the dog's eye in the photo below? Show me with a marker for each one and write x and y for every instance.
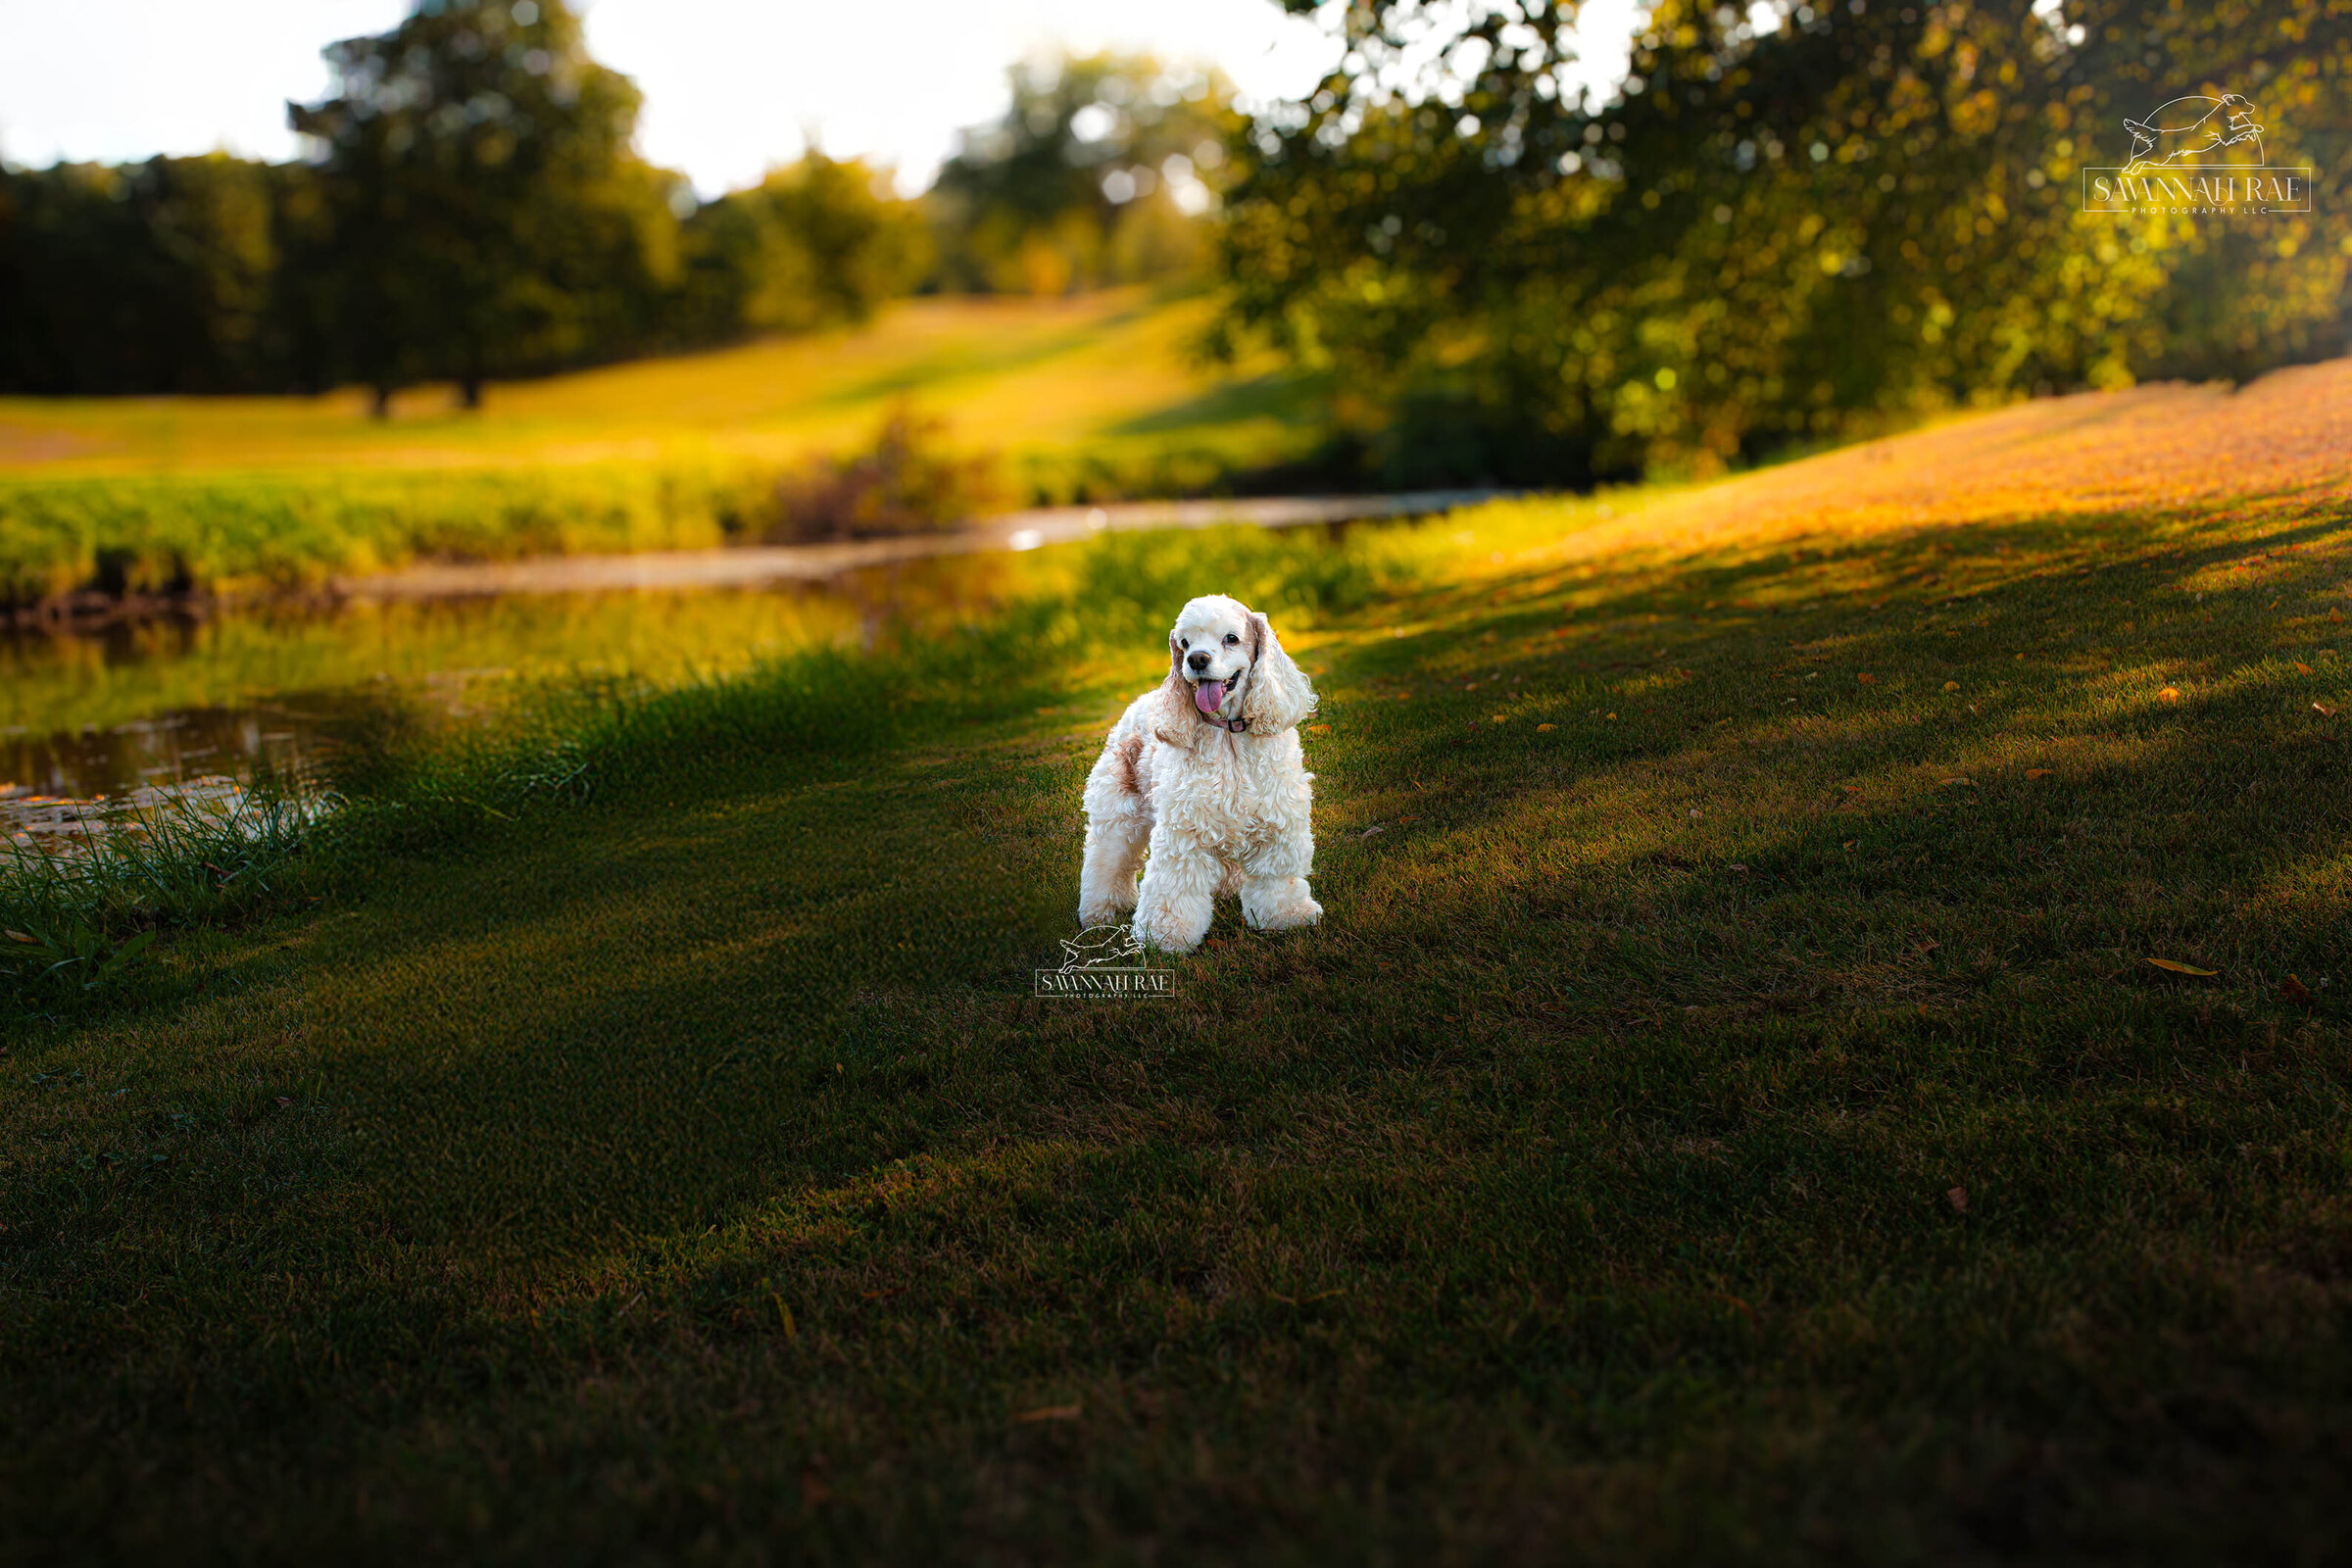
(1183, 643)
(1233, 639)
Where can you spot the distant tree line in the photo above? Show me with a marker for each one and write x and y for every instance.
(1790, 222)
(476, 210)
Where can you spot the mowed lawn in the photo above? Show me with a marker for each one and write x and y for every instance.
(1730, 1111)
(1112, 375)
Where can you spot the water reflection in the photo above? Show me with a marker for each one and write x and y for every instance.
(111, 710)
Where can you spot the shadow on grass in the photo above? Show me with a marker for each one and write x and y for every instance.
(1655, 1122)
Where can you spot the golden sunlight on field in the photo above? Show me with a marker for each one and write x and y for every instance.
(2283, 440)
(1011, 375)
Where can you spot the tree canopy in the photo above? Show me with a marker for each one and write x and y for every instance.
(487, 213)
(1787, 222)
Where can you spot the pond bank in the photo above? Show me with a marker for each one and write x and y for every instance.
(748, 565)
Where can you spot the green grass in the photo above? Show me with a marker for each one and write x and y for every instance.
(1083, 399)
(1738, 1122)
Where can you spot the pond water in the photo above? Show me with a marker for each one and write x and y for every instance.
(105, 712)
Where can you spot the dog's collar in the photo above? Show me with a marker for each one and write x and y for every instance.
(1232, 726)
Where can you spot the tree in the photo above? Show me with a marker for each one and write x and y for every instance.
(159, 277)
(487, 213)
(1787, 222)
(820, 242)
(1093, 177)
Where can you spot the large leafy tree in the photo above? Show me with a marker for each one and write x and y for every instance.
(487, 213)
(1787, 222)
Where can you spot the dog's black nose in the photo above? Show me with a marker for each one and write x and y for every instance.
(1198, 660)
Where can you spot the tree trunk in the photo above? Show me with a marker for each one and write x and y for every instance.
(469, 392)
(381, 406)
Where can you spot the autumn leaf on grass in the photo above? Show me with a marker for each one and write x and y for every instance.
(1543, 729)
(2037, 772)
(1969, 782)
(2169, 695)
(1051, 1412)
(1318, 730)
(1951, 685)
(2301, 669)
(2323, 710)
(18, 936)
(1958, 1198)
(2294, 991)
(1867, 680)
(2176, 966)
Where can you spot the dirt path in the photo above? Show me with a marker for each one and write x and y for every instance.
(1019, 530)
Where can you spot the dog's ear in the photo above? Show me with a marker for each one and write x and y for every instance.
(1174, 718)
(1279, 695)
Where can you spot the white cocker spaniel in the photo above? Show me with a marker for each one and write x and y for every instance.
(1206, 774)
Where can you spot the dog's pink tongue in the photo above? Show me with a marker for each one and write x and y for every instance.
(1209, 696)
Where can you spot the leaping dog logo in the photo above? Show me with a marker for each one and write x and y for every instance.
(2182, 132)
(1099, 945)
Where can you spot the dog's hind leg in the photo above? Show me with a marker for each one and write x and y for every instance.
(1114, 854)
(1118, 827)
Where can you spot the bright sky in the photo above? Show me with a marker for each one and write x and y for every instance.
(731, 86)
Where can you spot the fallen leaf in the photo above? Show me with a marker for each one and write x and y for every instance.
(1612, 715)
(1851, 789)
(1501, 717)
(1951, 685)
(18, 936)
(1543, 729)
(2294, 991)
(1958, 1198)
(2323, 710)
(1051, 1412)
(1969, 782)
(1868, 680)
(2335, 615)
(2037, 772)
(1736, 866)
(1368, 832)
(2169, 695)
(1850, 843)
(1318, 730)
(2175, 966)
(2302, 668)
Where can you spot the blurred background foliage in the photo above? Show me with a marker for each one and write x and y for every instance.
(1095, 177)
(1792, 223)
(476, 210)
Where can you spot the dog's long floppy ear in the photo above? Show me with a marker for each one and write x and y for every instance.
(1174, 719)
(1279, 695)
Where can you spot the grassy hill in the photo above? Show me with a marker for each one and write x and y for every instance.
(1732, 1110)
(1092, 396)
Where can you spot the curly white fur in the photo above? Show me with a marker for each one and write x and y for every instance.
(1205, 777)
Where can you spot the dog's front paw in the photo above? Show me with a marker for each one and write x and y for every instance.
(1170, 931)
